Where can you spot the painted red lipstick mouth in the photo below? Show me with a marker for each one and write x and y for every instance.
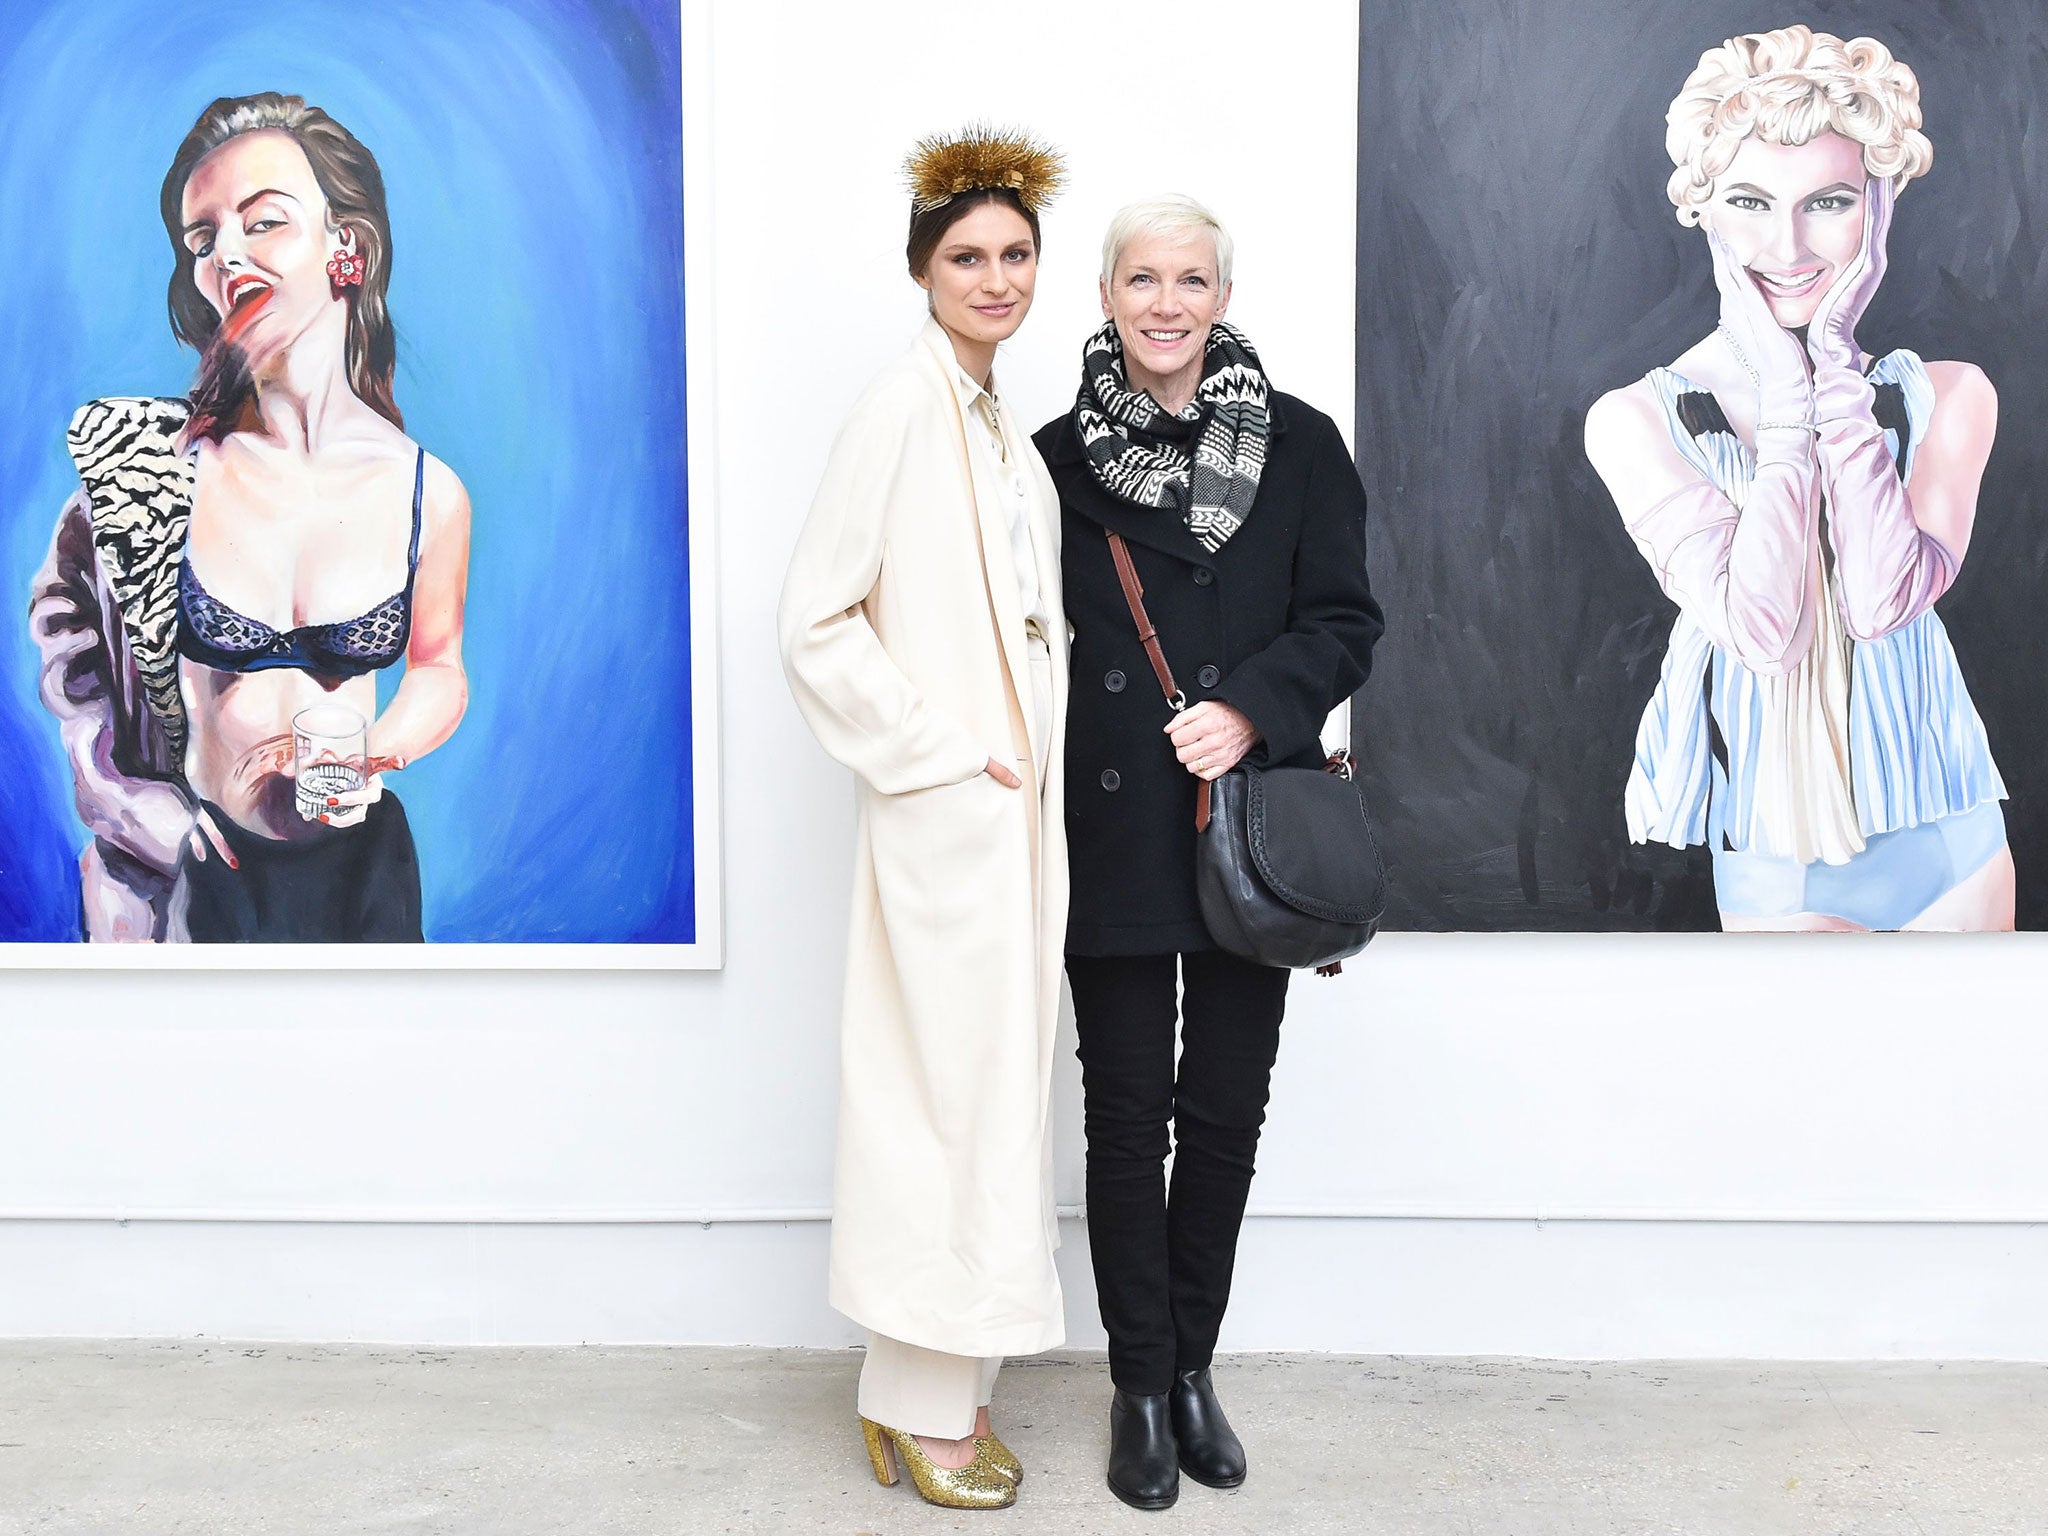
(244, 287)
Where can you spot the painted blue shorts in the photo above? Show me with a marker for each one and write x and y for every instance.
(1896, 877)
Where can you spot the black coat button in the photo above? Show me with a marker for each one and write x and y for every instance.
(1208, 677)
(1113, 681)
(1203, 576)
(1111, 779)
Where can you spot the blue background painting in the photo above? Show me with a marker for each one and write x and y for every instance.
(532, 154)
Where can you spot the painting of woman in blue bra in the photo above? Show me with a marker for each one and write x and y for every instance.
(1805, 504)
(265, 547)
(360, 604)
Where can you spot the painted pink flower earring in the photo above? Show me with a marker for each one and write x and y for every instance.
(345, 268)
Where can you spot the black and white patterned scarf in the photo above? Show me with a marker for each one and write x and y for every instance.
(1206, 460)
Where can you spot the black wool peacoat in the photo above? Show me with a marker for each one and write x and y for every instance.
(1279, 622)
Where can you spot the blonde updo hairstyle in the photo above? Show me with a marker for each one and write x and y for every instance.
(1789, 87)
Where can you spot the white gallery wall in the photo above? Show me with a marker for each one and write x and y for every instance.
(1558, 1145)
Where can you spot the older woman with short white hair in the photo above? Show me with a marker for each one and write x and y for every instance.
(1245, 523)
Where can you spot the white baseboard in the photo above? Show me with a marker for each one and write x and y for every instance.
(1559, 1289)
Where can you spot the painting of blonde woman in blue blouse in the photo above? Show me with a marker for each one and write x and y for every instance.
(1805, 503)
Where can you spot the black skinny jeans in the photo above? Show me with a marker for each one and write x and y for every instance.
(1163, 1259)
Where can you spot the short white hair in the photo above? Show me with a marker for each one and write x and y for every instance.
(1170, 215)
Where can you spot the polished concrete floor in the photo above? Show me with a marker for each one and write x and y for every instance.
(164, 1439)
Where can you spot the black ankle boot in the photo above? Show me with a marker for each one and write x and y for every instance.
(1143, 1467)
(1210, 1452)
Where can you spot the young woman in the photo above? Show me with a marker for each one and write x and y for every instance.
(1246, 523)
(1805, 504)
(260, 550)
(923, 638)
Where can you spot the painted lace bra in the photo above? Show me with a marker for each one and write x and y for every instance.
(215, 635)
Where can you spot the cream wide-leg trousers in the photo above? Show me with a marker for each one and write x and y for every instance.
(922, 1391)
(925, 1391)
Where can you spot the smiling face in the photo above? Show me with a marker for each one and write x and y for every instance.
(255, 225)
(1164, 296)
(1793, 215)
(981, 276)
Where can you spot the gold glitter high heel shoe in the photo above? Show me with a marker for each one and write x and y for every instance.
(977, 1485)
(999, 1456)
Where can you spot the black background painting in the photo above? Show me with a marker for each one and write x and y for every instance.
(1517, 258)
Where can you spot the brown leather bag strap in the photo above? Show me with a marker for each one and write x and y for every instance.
(1148, 637)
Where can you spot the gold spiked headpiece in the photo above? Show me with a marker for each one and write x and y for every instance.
(940, 168)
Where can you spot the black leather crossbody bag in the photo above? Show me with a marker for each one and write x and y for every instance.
(1286, 867)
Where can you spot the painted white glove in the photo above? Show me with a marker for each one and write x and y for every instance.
(1840, 390)
(1888, 569)
(1766, 351)
(1742, 575)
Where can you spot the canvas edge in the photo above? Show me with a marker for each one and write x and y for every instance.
(707, 952)
(564, 956)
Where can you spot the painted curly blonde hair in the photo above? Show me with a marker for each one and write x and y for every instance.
(1789, 87)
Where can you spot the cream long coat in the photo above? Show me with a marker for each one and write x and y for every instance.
(903, 639)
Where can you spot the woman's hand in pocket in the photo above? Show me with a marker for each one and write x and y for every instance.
(1003, 775)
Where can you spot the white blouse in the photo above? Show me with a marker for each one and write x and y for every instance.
(1004, 461)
